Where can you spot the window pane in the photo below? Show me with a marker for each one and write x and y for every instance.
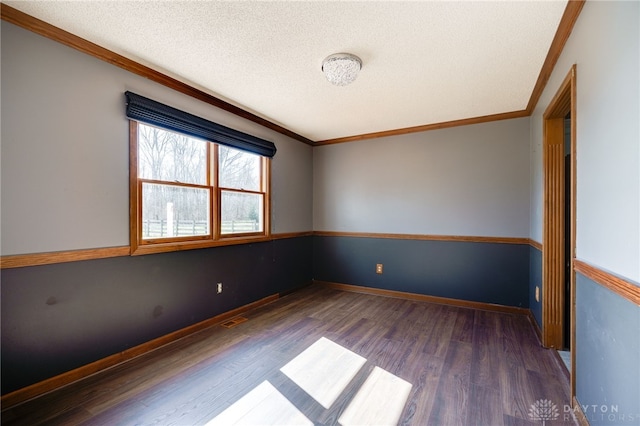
(169, 156)
(174, 211)
(241, 212)
(238, 169)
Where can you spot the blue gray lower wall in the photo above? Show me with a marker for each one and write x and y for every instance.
(535, 279)
(59, 317)
(481, 272)
(607, 355)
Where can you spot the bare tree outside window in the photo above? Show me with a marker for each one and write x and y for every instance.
(191, 192)
(238, 169)
(169, 156)
(180, 198)
(173, 210)
(241, 204)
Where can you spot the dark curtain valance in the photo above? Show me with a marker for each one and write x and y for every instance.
(151, 112)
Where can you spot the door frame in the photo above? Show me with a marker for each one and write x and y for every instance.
(554, 234)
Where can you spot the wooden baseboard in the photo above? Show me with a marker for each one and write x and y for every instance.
(561, 364)
(21, 395)
(295, 289)
(424, 298)
(535, 325)
(579, 414)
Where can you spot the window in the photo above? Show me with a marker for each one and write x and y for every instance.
(191, 192)
(242, 196)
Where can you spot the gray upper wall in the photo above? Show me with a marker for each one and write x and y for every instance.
(605, 46)
(470, 180)
(65, 149)
(65, 163)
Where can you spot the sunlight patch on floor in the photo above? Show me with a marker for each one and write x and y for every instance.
(379, 401)
(263, 405)
(324, 370)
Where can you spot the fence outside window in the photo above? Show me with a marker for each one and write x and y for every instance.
(183, 228)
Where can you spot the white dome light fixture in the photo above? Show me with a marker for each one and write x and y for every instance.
(341, 68)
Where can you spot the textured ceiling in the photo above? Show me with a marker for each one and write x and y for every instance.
(423, 62)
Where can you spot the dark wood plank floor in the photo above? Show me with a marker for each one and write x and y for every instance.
(467, 367)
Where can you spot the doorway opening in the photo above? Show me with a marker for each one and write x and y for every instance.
(568, 251)
(559, 235)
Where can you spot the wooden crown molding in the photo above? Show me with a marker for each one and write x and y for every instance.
(426, 127)
(45, 29)
(570, 16)
(568, 20)
(620, 286)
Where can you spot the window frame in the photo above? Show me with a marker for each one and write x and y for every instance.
(215, 237)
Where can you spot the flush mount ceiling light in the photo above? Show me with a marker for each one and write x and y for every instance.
(341, 68)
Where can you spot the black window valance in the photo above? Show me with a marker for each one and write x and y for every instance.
(151, 112)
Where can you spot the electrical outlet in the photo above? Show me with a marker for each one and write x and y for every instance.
(378, 268)
(219, 288)
(537, 294)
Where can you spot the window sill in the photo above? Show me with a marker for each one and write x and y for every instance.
(194, 245)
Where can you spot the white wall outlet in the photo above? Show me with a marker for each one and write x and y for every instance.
(219, 288)
(378, 268)
(537, 294)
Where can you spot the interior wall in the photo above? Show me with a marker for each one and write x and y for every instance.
(608, 352)
(535, 280)
(469, 180)
(605, 45)
(605, 50)
(65, 149)
(65, 186)
(62, 316)
(471, 271)
(463, 181)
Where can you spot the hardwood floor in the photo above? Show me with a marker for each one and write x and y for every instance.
(465, 367)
